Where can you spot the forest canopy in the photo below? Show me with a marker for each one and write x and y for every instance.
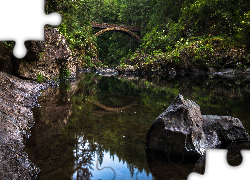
(178, 31)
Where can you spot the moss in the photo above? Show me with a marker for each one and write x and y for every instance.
(39, 78)
(41, 55)
(8, 45)
(64, 73)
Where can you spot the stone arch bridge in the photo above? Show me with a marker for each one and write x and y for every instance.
(114, 27)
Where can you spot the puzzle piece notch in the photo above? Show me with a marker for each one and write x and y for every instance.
(23, 23)
(217, 167)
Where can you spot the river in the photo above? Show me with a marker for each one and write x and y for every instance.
(96, 127)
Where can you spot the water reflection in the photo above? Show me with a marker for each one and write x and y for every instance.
(84, 154)
(103, 122)
(102, 165)
(164, 166)
(110, 127)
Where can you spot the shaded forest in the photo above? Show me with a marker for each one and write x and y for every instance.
(176, 33)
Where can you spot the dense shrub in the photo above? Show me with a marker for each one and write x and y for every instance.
(215, 17)
(246, 30)
(162, 40)
(202, 22)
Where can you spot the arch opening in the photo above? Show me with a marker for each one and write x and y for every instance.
(111, 49)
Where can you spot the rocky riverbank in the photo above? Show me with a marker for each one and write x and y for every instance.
(16, 118)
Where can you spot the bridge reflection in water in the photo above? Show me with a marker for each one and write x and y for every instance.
(117, 109)
(75, 128)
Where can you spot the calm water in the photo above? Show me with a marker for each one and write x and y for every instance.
(96, 127)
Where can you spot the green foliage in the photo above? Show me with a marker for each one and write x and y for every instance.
(170, 29)
(215, 17)
(75, 26)
(88, 62)
(163, 40)
(127, 12)
(9, 45)
(195, 52)
(202, 34)
(112, 46)
(246, 30)
(40, 78)
(64, 73)
(161, 11)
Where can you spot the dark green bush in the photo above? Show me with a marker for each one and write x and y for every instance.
(246, 31)
(214, 17)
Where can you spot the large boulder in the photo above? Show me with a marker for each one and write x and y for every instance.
(182, 130)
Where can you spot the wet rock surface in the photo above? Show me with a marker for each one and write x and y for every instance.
(106, 72)
(178, 130)
(181, 130)
(16, 118)
(223, 128)
(178, 139)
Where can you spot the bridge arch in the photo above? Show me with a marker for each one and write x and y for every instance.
(118, 29)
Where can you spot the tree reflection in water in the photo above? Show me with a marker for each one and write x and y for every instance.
(122, 133)
(92, 162)
(92, 129)
(84, 155)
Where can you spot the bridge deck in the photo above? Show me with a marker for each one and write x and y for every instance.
(105, 26)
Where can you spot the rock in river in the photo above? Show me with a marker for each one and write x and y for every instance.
(182, 130)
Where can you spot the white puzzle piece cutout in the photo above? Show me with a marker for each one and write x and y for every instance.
(23, 20)
(217, 167)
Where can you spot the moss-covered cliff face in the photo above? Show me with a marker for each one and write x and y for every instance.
(47, 59)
